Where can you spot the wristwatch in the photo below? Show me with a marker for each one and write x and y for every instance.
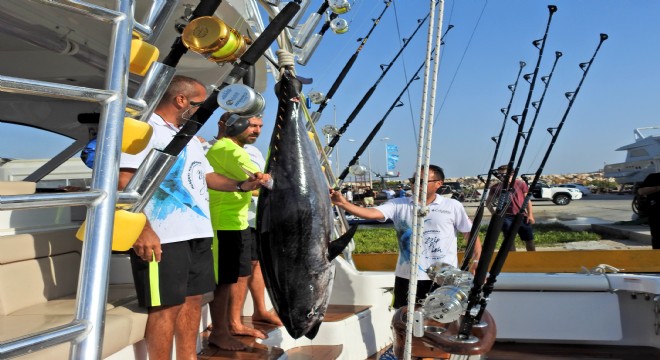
(238, 187)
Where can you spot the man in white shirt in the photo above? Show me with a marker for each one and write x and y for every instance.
(171, 260)
(439, 244)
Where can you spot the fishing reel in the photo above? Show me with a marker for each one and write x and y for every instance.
(316, 97)
(339, 6)
(447, 303)
(214, 39)
(241, 100)
(337, 25)
(357, 170)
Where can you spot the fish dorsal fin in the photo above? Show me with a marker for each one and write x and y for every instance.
(336, 247)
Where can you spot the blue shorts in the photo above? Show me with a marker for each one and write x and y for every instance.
(525, 231)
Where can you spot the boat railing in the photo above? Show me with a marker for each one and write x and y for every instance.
(86, 330)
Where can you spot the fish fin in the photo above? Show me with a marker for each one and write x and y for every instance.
(311, 334)
(336, 247)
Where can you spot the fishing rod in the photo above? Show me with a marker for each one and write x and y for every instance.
(333, 89)
(385, 69)
(305, 53)
(373, 133)
(498, 263)
(495, 225)
(476, 223)
(537, 106)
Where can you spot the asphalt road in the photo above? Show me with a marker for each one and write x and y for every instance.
(581, 214)
(591, 209)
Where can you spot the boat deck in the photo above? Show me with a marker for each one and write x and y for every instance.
(259, 351)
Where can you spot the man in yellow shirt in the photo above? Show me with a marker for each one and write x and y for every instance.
(234, 244)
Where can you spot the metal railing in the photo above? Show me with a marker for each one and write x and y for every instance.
(86, 330)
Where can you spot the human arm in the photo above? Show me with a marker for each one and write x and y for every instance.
(476, 251)
(489, 201)
(219, 182)
(365, 213)
(147, 245)
(530, 214)
(648, 190)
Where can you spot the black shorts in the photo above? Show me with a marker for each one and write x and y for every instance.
(255, 243)
(424, 287)
(233, 251)
(185, 269)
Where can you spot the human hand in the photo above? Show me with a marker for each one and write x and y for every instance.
(147, 246)
(262, 179)
(530, 219)
(337, 198)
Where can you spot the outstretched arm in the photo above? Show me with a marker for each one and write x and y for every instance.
(365, 213)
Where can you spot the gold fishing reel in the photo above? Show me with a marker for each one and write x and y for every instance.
(212, 38)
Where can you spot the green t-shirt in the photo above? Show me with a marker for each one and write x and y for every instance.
(229, 210)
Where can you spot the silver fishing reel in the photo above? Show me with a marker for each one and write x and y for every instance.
(316, 97)
(339, 26)
(329, 130)
(357, 170)
(241, 100)
(445, 274)
(447, 303)
(339, 6)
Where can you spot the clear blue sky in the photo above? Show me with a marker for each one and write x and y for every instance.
(620, 93)
(479, 60)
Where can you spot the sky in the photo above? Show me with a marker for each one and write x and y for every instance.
(479, 59)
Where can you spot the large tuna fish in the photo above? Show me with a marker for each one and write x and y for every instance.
(295, 220)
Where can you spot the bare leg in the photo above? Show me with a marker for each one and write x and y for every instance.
(159, 332)
(237, 294)
(220, 335)
(257, 289)
(186, 328)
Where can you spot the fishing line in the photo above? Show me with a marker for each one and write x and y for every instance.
(405, 75)
(347, 67)
(385, 69)
(460, 63)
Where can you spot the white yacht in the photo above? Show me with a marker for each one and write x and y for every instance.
(61, 61)
(642, 158)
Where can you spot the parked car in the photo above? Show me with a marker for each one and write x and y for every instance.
(558, 195)
(585, 190)
(452, 189)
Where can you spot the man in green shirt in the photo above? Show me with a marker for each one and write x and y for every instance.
(234, 244)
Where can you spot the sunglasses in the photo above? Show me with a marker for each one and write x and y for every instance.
(412, 180)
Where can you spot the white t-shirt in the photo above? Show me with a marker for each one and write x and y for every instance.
(258, 159)
(179, 209)
(445, 218)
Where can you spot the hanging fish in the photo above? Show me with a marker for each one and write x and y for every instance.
(295, 221)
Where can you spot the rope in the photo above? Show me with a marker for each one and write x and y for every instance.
(423, 150)
(286, 61)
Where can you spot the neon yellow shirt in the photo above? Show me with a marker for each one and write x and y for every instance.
(229, 210)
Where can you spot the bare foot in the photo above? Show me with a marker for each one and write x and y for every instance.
(245, 330)
(226, 342)
(268, 317)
